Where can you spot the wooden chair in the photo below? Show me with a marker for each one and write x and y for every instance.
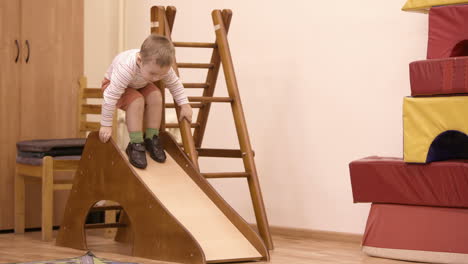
(41, 170)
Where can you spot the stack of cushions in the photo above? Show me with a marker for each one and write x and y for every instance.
(420, 202)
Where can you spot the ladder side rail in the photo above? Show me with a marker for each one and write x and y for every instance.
(157, 27)
(211, 79)
(185, 126)
(241, 127)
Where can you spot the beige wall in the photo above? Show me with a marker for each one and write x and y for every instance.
(322, 84)
(101, 38)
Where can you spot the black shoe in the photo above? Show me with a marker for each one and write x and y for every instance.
(136, 155)
(155, 149)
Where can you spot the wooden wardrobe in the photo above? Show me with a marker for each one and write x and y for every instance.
(41, 54)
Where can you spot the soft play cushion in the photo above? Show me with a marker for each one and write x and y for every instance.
(424, 5)
(439, 76)
(417, 233)
(393, 181)
(448, 32)
(43, 145)
(425, 119)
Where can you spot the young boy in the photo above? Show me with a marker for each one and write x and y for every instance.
(128, 85)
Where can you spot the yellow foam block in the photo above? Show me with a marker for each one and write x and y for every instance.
(425, 118)
(424, 5)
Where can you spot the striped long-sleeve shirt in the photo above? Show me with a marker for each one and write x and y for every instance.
(124, 72)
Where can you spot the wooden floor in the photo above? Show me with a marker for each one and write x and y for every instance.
(289, 250)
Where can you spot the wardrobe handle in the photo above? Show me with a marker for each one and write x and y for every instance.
(17, 50)
(27, 56)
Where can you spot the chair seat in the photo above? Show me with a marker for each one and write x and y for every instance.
(38, 161)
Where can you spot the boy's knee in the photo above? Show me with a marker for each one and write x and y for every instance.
(155, 97)
(138, 102)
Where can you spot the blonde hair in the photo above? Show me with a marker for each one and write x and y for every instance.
(159, 49)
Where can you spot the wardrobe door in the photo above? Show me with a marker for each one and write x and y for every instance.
(52, 63)
(9, 105)
(52, 33)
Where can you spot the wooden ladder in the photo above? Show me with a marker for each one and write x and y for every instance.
(162, 21)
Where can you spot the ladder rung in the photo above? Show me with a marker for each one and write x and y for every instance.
(195, 65)
(63, 186)
(220, 153)
(218, 175)
(92, 93)
(176, 125)
(194, 45)
(193, 105)
(210, 99)
(89, 126)
(195, 85)
(111, 225)
(106, 208)
(91, 109)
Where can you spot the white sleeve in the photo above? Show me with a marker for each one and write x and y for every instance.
(175, 86)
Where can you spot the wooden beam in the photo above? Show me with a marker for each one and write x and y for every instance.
(193, 105)
(92, 93)
(241, 125)
(210, 99)
(106, 208)
(89, 126)
(219, 153)
(176, 125)
(219, 175)
(211, 79)
(195, 85)
(91, 109)
(194, 45)
(195, 65)
(97, 226)
(62, 186)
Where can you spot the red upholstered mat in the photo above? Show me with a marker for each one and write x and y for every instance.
(391, 180)
(417, 228)
(439, 76)
(448, 31)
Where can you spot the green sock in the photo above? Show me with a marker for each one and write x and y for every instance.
(150, 132)
(136, 137)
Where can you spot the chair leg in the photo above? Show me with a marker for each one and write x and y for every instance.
(47, 197)
(110, 217)
(19, 203)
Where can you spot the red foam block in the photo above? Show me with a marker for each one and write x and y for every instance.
(439, 76)
(448, 32)
(423, 228)
(392, 181)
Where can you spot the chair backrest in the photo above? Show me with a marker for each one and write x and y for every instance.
(89, 105)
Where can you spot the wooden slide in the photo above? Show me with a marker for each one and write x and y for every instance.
(174, 213)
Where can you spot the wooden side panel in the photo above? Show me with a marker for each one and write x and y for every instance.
(104, 173)
(9, 106)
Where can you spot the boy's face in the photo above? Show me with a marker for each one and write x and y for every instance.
(152, 72)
